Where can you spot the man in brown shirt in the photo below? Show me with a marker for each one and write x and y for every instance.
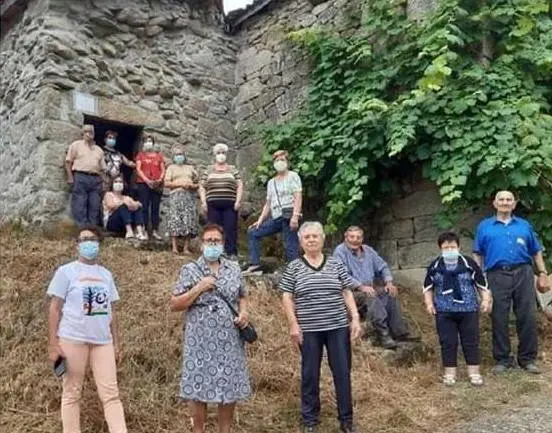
(85, 168)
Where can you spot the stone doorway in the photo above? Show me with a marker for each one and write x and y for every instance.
(128, 139)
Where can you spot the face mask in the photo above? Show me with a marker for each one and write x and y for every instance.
(148, 146)
(89, 249)
(179, 159)
(220, 158)
(212, 252)
(118, 187)
(280, 166)
(110, 142)
(450, 255)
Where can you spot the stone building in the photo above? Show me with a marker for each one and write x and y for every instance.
(174, 69)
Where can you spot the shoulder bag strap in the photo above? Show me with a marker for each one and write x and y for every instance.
(218, 293)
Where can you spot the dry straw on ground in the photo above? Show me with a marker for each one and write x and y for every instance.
(387, 400)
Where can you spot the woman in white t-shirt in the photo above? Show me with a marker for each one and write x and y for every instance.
(281, 213)
(82, 330)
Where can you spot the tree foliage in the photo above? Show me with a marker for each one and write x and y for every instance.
(466, 93)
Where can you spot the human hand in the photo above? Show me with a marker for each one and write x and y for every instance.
(70, 180)
(296, 335)
(543, 283)
(356, 330)
(255, 225)
(391, 289)
(237, 206)
(206, 284)
(54, 351)
(369, 290)
(430, 308)
(486, 304)
(242, 320)
(203, 209)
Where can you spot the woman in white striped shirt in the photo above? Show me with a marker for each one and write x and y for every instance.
(321, 311)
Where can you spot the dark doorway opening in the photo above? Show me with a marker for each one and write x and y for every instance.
(128, 139)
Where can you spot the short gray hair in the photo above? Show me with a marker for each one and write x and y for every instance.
(218, 147)
(311, 225)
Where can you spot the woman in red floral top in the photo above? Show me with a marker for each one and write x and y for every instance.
(150, 167)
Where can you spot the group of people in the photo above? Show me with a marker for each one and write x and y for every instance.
(100, 192)
(323, 297)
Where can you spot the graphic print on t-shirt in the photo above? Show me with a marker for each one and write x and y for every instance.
(95, 299)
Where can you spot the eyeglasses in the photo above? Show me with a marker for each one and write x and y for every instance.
(90, 238)
(212, 241)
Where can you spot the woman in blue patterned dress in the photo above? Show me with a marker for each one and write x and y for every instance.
(214, 365)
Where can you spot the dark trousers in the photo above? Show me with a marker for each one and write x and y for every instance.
(271, 227)
(514, 287)
(222, 212)
(449, 326)
(151, 201)
(383, 312)
(338, 348)
(122, 217)
(86, 198)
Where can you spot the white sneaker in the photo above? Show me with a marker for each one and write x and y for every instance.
(129, 235)
(449, 380)
(142, 237)
(157, 236)
(253, 270)
(476, 379)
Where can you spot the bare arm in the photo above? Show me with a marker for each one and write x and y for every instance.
(140, 173)
(184, 301)
(54, 316)
(289, 309)
(239, 192)
(297, 203)
(128, 162)
(265, 213)
(539, 261)
(69, 171)
(351, 305)
(114, 326)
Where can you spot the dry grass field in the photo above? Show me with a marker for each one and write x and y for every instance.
(387, 399)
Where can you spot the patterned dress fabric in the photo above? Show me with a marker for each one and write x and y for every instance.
(214, 364)
(183, 215)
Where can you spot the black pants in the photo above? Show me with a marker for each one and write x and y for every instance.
(222, 212)
(338, 348)
(151, 201)
(122, 217)
(449, 326)
(514, 287)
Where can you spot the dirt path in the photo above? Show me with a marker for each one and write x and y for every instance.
(531, 414)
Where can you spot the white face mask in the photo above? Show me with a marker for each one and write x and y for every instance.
(148, 146)
(118, 186)
(220, 158)
(280, 166)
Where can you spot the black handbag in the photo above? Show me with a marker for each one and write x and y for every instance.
(287, 212)
(247, 334)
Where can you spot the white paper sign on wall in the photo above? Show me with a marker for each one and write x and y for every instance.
(85, 103)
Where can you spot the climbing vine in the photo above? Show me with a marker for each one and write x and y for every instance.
(466, 93)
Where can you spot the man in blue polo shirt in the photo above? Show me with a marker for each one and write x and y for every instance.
(505, 246)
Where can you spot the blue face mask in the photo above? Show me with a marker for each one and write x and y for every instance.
(450, 255)
(212, 252)
(110, 142)
(179, 159)
(89, 249)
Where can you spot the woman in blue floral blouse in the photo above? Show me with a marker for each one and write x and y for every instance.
(450, 294)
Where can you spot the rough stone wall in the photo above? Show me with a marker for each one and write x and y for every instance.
(270, 75)
(161, 65)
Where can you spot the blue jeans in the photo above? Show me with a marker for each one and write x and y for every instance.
(122, 217)
(271, 227)
(338, 348)
(86, 198)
